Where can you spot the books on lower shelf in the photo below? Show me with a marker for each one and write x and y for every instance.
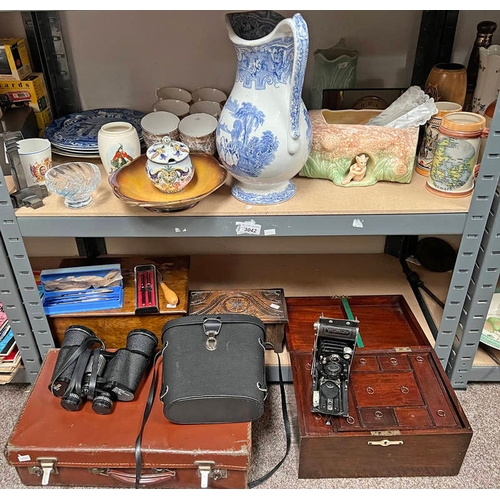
(491, 331)
(10, 357)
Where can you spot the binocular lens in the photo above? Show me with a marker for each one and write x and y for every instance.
(84, 372)
(71, 402)
(102, 404)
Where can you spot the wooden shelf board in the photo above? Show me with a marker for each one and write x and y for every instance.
(313, 197)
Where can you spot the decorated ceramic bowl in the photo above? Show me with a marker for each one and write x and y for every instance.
(169, 167)
(131, 185)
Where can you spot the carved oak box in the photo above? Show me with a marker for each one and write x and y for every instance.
(404, 418)
(267, 305)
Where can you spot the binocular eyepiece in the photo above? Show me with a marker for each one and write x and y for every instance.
(83, 372)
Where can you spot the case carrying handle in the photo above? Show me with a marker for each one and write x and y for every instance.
(145, 479)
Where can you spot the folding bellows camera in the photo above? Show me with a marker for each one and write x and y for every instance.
(334, 346)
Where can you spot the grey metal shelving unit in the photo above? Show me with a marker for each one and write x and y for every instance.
(465, 307)
(472, 284)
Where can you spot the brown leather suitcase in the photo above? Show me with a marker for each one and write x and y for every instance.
(60, 448)
(404, 417)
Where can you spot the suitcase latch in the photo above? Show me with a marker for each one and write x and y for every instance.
(45, 469)
(206, 471)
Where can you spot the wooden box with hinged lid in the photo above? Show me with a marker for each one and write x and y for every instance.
(113, 325)
(404, 418)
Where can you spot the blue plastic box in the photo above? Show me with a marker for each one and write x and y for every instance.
(69, 301)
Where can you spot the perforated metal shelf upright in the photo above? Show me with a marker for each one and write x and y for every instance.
(19, 293)
(483, 223)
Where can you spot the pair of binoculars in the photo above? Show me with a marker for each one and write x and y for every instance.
(84, 370)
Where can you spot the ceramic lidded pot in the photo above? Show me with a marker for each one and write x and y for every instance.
(169, 166)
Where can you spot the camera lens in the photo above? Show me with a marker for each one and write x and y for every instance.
(332, 368)
(329, 390)
(102, 404)
(71, 402)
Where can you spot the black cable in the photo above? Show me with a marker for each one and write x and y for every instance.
(147, 411)
(416, 283)
(286, 422)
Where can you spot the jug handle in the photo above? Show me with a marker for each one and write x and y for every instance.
(300, 51)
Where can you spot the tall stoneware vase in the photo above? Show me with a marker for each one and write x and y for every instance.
(447, 82)
(264, 134)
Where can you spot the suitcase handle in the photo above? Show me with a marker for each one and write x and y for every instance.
(146, 479)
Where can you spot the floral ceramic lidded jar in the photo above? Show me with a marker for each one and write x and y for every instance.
(264, 134)
(168, 166)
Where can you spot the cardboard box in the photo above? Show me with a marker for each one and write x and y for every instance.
(43, 119)
(30, 91)
(14, 60)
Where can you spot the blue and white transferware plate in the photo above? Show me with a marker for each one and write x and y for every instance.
(78, 131)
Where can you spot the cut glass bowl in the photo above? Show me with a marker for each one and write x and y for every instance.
(75, 181)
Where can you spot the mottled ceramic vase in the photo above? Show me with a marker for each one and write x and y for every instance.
(334, 68)
(264, 134)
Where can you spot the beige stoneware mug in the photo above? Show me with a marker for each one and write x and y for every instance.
(175, 106)
(210, 107)
(157, 125)
(197, 132)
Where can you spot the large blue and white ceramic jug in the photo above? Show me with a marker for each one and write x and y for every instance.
(264, 134)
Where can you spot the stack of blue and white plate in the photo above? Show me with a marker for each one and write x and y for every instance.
(76, 134)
